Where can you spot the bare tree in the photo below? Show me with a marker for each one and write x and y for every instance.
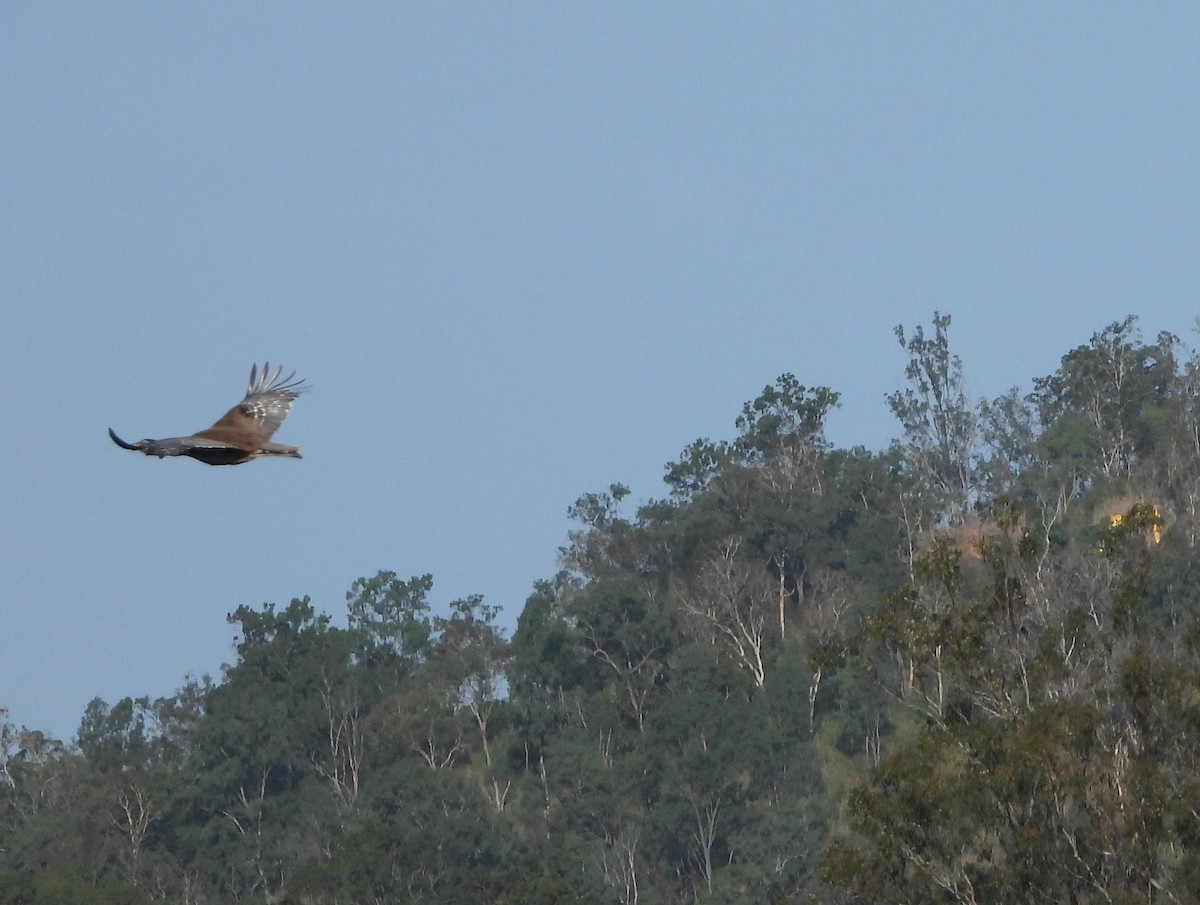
(9, 737)
(136, 810)
(343, 765)
(731, 599)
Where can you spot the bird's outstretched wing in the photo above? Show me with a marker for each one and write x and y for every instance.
(255, 419)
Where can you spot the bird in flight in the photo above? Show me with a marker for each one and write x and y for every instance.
(244, 432)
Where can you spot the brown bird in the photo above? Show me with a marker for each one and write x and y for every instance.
(243, 433)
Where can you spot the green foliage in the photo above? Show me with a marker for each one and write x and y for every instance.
(786, 420)
(1106, 407)
(114, 738)
(391, 616)
(784, 427)
(778, 684)
(67, 883)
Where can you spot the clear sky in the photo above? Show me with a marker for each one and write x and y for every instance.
(521, 251)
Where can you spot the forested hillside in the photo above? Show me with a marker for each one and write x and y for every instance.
(962, 669)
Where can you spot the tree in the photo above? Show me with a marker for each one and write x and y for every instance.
(115, 738)
(731, 602)
(1101, 391)
(1060, 731)
(701, 461)
(778, 674)
(391, 617)
(626, 636)
(937, 417)
(1008, 430)
(545, 663)
(9, 736)
(785, 425)
(471, 657)
(263, 756)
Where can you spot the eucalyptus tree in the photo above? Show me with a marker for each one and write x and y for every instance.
(1095, 404)
(937, 417)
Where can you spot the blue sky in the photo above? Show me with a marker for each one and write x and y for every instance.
(521, 251)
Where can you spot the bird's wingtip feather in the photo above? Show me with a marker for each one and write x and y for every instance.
(117, 440)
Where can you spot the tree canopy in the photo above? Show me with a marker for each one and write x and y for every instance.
(965, 668)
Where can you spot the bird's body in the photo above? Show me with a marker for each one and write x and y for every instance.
(243, 433)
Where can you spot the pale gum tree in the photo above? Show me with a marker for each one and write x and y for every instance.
(471, 656)
(732, 600)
